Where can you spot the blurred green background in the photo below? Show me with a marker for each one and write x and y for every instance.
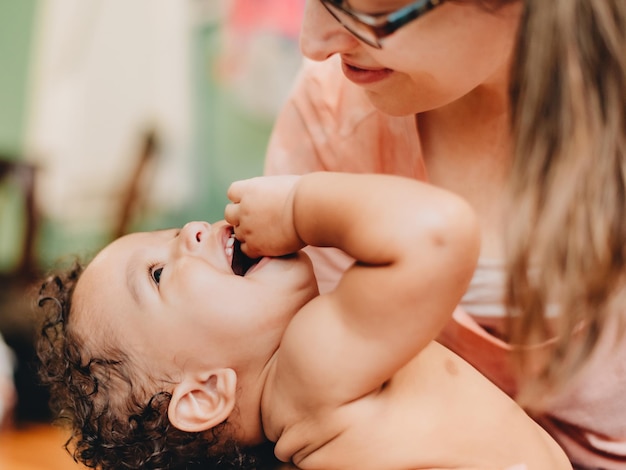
(16, 27)
(228, 142)
(16, 31)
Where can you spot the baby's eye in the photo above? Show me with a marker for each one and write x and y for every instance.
(155, 273)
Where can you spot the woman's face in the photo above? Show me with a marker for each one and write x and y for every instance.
(434, 60)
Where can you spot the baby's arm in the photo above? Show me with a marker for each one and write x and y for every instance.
(416, 247)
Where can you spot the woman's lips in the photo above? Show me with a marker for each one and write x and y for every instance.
(364, 76)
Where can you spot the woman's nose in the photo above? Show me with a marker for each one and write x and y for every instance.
(193, 235)
(322, 35)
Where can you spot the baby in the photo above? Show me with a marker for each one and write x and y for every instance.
(210, 346)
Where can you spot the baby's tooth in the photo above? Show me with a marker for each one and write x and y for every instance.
(230, 242)
(229, 251)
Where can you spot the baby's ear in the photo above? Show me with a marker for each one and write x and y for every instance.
(201, 403)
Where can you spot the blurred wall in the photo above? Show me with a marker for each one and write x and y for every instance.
(104, 73)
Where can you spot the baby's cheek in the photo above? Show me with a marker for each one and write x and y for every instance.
(203, 292)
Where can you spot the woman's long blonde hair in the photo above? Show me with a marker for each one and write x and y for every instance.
(567, 225)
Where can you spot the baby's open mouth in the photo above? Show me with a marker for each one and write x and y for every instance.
(241, 263)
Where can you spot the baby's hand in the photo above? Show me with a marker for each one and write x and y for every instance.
(262, 214)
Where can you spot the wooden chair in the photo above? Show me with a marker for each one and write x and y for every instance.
(23, 175)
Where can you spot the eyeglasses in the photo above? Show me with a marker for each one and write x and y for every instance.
(372, 28)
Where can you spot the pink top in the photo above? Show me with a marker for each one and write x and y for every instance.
(329, 124)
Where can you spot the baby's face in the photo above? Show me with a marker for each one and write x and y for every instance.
(172, 299)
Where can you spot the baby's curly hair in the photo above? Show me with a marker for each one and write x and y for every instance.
(114, 424)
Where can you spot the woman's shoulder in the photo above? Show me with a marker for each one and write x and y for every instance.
(333, 116)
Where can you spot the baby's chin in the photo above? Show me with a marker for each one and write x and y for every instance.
(296, 279)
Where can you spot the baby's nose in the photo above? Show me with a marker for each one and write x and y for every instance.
(193, 234)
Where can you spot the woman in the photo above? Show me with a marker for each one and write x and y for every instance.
(425, 93)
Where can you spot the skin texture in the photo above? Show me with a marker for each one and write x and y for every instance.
(449, 69)
(455, 51)
(197, 283)
(313, 372)
(555, 157)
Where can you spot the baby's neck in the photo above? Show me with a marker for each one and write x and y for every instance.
(271, 427)
(250, 417)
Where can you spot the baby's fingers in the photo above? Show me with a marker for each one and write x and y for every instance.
(235, 190)
(231, 214)
(249, 251)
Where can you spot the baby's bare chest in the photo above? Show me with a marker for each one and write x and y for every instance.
(400, 426)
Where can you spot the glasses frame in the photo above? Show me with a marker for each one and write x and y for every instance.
(381, 25)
